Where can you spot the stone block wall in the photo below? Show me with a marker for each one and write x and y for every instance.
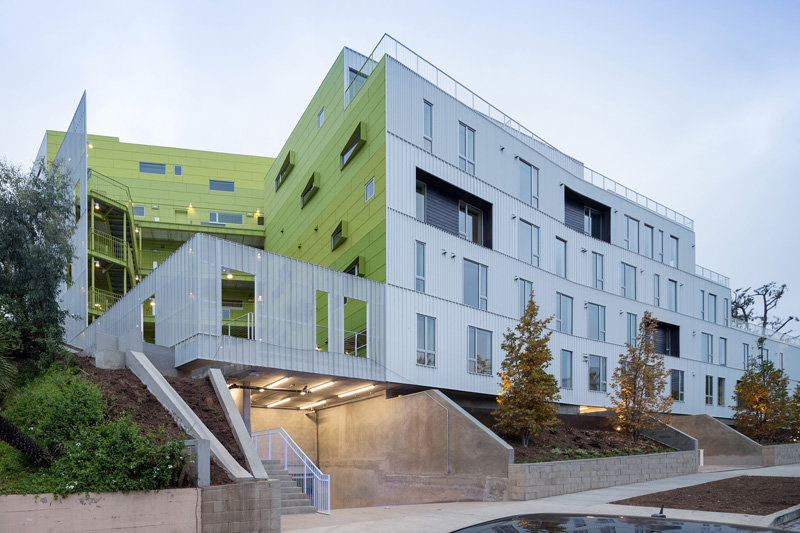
(242, 508)
(780, 454)
(541, 480)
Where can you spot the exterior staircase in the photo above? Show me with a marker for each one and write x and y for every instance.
(293, 501)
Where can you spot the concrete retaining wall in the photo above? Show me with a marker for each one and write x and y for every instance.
(300, 425)
(722, 445)
(672, 437)
(395, 451)
(781, 454)
(241, 508)
(540, 480)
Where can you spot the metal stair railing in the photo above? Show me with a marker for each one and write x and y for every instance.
(275, 444)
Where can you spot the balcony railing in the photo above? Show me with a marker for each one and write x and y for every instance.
(241, 326)
(765, 332)
(101, 301)
(389, 46)
(713, 276)
(109, 245)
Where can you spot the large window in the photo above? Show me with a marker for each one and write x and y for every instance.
(153, 168)
(708, 347)
(528, 183)
(721, 391)
(528, 243)
(673, 251)
(138, 210)
(566, 369)
(598, 270)
(470, 223)
(709, 390)
(427, 128)
(221, 186)
(656, 290)
(632, 326)
(466, 148)
(596, 318)
(479, 358)
(593, 222)
(563, 313)
(419, 253)
(628, 281)
(561, 257)
(426, 340)
(632, 234)
(225, 218)
(672, 295)
(421, 190)
(597, 373)
(475, 281)
(723, 351)
(648, 241)
(354, 144)
(525, 289)
(712, 308)
(677, 385)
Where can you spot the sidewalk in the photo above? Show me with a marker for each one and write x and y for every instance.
(444, 517)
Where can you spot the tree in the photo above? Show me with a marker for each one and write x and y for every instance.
(36, 222)
(741, 306)
(639, 383)
(794, 412)
(762, 398)
(527, 402)
(756, 304)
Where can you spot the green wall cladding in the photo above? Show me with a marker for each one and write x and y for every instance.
(305, 232)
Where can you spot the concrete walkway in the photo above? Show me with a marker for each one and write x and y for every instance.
(443, 517)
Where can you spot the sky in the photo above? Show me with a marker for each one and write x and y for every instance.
(693, 104)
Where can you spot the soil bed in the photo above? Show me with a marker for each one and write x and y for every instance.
(753, 495)
(595, 442)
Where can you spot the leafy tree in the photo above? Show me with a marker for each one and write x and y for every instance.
(794, 412)
(36, 222)
(762, 399)
(639, 383)
(756, 304)
(527, 403)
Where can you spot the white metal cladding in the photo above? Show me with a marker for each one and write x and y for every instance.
(187, 289)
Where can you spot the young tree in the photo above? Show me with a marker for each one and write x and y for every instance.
(639, 383)
(761, 398)
(527, 402)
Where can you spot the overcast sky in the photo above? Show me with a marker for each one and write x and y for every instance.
(694, 104)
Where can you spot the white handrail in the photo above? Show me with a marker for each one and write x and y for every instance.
(300, 467)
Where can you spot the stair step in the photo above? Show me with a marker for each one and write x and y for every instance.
(298, 510)
(293, 496)
(296, 503)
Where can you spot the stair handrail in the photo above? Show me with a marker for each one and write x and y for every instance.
(93, 174)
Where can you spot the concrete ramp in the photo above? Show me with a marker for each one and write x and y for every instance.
(722, 445)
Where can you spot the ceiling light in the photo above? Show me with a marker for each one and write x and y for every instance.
(279, 402)
(364, 389)
(96, 205)
(97, 264)
(261, 389)
(309, 406)
(279, 382)
(318, 387)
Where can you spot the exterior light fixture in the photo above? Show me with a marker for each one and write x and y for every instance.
(279, 402)
(190, 205)
(137, 277)
(363, 389)
(230, 275)
(90, 145)
(279, 382)
(97, 264)
(312, 405)
(152, 302)
(96, 205)
(319, 387)
(137, 229)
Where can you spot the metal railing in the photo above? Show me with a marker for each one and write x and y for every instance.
(355, 343)
(391, 47)
(109, 245)
(100, 300)
(241, 326)
(713, 276)
(276, 445)
(765, 332)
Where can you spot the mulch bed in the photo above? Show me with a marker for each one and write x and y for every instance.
(126, 394)
(753, 495)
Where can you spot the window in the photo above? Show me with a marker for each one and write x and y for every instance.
(470, 223)
(726, 312)
(764, 353)
(426, 340)
(563, 313)
(656, 290)
(466, 148)
(528, 184)
(708, 348)
(525, 290)
(745, 355)
(709, 390)
(321, 117)
(676, 385)
(702, 305)
(138, 210)
(660, 246)
(721, 391)
(221, 186)
(667, 339)
(566, 369)
(632, 326)
(225, 218)
(561, 258)
(354, 269)
(528, 249)
(311, 188)
(597, 373)
(339, 235)
(421, 201)
(673, 251)
(632, 234)
(712, 308)
(355, 80)
(596, 318)
(628, 281)
(259, 220)
(153, 168)
(427, 130)
(597, 270)
(354, 144)
(177, 170)
(648, 241)
(475, 280)
(369, 189)
(419, 284)
(479, 358)
(672, 295)
(593, 222)
(286, 168)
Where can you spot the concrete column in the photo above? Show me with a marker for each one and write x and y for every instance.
(246, 406)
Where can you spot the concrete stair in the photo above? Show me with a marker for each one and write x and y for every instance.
(293, 501)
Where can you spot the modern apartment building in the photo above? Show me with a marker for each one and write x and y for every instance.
(390, 244)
